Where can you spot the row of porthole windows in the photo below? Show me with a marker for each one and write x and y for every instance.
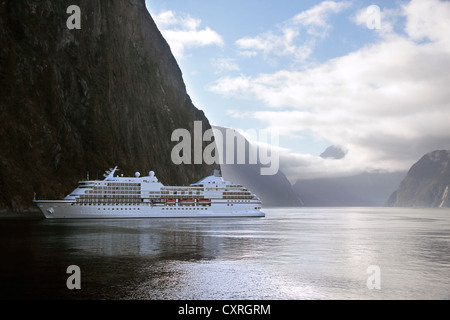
(227, 193)
(121, 209)
(116, 188)
(106, 204)
(185, 208)
(109, 197)
(134, 209)
(121, 185)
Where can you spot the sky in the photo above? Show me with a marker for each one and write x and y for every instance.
(371, 77)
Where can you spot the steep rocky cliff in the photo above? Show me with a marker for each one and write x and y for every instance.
(426, 184)
(72, 101)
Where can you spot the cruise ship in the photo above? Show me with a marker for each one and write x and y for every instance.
(118, 197)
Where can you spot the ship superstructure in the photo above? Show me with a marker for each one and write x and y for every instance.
(146, 197)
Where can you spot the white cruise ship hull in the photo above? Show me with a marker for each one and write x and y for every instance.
(145, 197)
(70, 210)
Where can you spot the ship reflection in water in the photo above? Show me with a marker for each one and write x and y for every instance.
(294, 253)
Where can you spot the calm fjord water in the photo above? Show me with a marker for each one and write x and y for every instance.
(293, 253)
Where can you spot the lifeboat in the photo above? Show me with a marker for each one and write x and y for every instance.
(204, 202)
(171, 202)
(187, 202)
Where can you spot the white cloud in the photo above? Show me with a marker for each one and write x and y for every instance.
(315, 19)
(285, 42)
(248, 53)
(428, 20)
(387, 103)
(222, 65)
(388, 19)
(238, 114)
(183, 32)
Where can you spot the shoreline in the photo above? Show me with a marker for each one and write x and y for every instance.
(24, 214)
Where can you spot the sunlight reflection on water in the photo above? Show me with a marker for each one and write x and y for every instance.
(293, 253)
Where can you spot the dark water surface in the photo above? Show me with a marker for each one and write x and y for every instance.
(293, 253)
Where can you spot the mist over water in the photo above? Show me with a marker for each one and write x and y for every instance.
(293, 253)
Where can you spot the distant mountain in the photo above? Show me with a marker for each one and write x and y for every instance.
(274, 191)
(74, 101)
(365, 189)
(333, 152)
(426, 184)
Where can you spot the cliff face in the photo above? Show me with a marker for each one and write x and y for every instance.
(426, 184)
(83, 100)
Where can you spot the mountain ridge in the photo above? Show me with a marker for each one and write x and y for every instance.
(426, 183)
